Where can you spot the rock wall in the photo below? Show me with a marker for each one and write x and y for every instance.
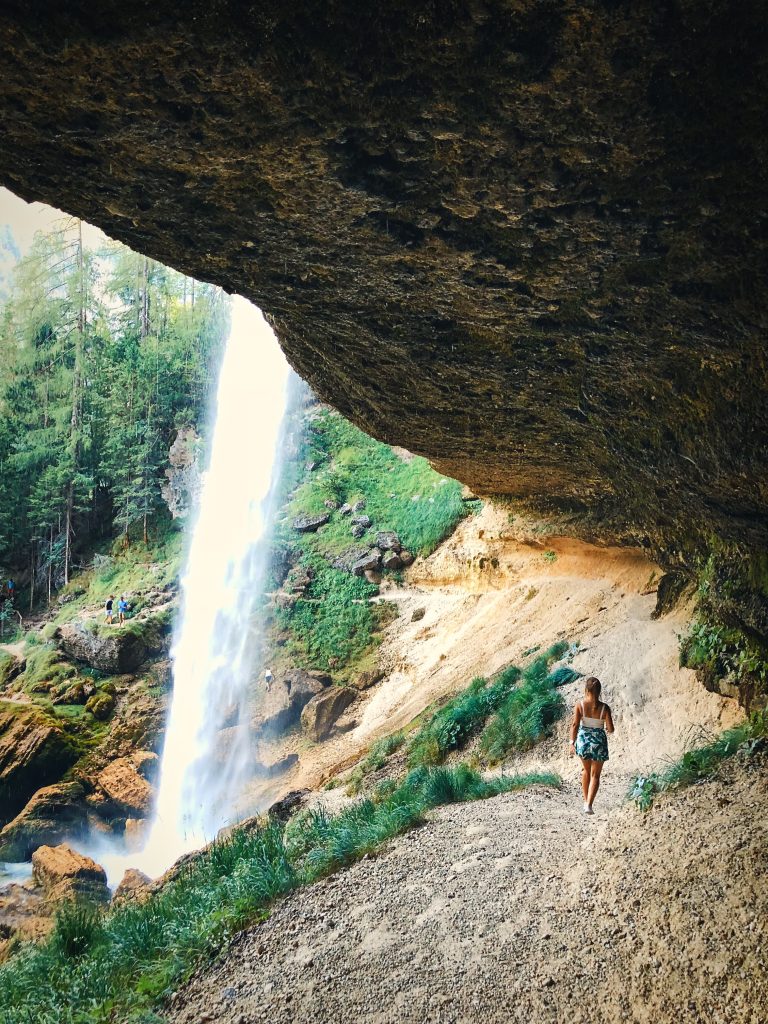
(522, 238)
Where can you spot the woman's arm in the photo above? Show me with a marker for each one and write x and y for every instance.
(575, 723)
(608, 719)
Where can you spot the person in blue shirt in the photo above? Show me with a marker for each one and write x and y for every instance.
(122, 608)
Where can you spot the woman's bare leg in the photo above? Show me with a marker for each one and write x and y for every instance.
(586, 775)
(594, 781)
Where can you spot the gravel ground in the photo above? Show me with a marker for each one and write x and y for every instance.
(521, 908)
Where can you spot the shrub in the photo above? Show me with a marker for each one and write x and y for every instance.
(528, 712)
(701, 762)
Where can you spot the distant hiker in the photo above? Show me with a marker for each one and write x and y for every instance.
(108, 609)
(268, 677)
(11, 588)
(591, 721)
(122, 608)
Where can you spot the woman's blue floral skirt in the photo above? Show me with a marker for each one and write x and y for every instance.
(592, 744)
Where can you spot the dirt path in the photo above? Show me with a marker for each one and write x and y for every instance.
(521, 908)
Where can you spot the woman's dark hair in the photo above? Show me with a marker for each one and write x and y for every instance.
(593, 686)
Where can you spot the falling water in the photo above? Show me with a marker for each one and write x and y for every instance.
(206, 755)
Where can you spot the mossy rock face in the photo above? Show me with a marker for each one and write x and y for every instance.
(542, 217)
(53, 814)
(114, 649)
(34, 752)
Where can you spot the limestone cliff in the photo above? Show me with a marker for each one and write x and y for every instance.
(523, 238)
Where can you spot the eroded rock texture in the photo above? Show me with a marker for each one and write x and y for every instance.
(525, 238)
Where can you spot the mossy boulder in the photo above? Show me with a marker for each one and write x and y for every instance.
(115, 649)
(53, 814)
(34, 752)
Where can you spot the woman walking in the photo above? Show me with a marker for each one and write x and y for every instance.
(591, 721)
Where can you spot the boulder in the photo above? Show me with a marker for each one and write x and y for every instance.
(53, 814)
(281, 706)
(368, 678)
(323, 711)
(345, 509)
(114, 649)
(388, 540)
(34, 752)
(371, 560)
(331, 504)
(418, 614)
(359, 505)
(357, 531)
(284, 808)
(364, 521)
(24, 915)
(64, 874)
(125, 788)
(135, 885)
(406, 558)
(391, 560)
(308, 524)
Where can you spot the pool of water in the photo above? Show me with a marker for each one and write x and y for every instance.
(20, 872)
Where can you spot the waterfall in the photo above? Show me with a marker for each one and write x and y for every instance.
(206, 755)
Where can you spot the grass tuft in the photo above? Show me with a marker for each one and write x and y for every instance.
(701, 762)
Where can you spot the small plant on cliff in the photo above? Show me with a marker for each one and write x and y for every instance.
(701, 762)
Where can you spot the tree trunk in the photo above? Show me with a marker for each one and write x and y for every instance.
(32, 578)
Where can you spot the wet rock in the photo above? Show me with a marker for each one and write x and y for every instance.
(114, 649)
(368, 678)
(371, 560)
(281, 706)
(308, 524)
(391, 560)
(135, 833)
(54, 813)
(418, 614)
(24, 915)
(284, 808)
(34, 752)
(64, 874)
(135, 885)
(323, 711)
(388, 540)
(125, 788)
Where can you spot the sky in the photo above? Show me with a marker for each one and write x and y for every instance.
(25, 219)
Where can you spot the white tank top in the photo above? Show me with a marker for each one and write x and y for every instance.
(592, 723)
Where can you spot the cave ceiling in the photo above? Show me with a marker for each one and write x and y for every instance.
(524, 239)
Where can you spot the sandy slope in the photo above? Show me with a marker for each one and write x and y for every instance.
(489, 594)
(522, 909)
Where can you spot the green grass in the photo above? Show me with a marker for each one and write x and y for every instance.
(529, 710)
(332, 625)
(520, 703)
(117, 966)
(701, 762)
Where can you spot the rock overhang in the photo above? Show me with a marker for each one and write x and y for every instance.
(522, 238)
